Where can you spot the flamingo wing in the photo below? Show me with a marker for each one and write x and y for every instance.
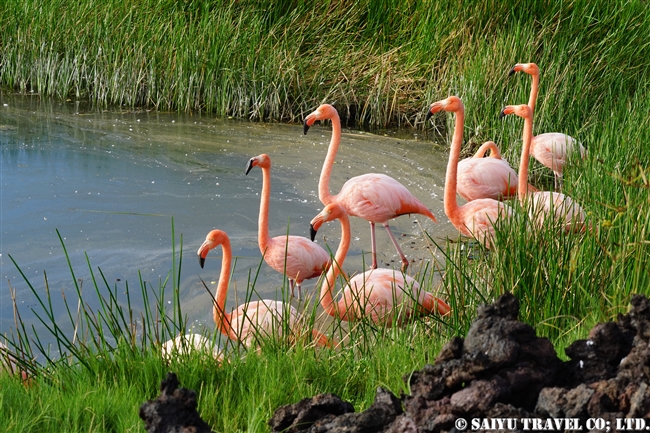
(378, 198)
(304, 259)
(479, 216)
(486, 178)
(552, 149)
(257, 320)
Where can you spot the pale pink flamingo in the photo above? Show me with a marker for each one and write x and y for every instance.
(374, 197)
(294, 256)
(253, 320)
(378, 294)
(552, 149)
(492, 177)
(475, 218)
(542, 203)
(9, 363)
(184, 344)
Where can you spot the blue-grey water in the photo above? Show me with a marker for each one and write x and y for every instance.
(110, 182)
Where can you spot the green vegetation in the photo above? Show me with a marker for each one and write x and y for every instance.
(381, 63)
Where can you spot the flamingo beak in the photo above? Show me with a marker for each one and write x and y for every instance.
(312, 232)
(443, 307)
(512, 72)
(503, 114)
(305, 127)
(250, 166)
(428, 116)
(201, 261)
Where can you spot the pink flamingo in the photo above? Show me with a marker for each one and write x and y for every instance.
(492, 177)
(294, 256)
(374, 197)
(543, 203)
(377, 294)
(552, 149)
(475, 218)
(253, 320)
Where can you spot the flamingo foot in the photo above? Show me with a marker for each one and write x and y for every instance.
(405, 264)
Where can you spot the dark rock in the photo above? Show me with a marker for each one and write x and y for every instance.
(173, 411)
(503, 370)
(300, 416)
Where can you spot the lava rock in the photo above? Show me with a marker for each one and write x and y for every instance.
(173, 411)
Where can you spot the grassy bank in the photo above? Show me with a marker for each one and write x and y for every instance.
(381, 63)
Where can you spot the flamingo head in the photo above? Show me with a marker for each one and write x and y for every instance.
(329, 213)
(262, 161)
(529, 68)
(325, 111)
(522, 110)
(212, 240)
(453, 103)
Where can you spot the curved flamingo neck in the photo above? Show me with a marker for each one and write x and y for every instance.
(534, 88)
(263, 221)
(326, 298)
(324, 194)
(525, 153)
(492, 147)
(221, 318)
(451, 205)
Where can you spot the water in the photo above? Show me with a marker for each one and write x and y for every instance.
(111, 182)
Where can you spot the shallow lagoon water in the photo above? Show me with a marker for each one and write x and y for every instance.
(112, 181)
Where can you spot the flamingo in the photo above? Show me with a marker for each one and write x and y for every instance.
(492, 177)
(253, 319)
(183, 344)
(475, 218)
(543, 203)
(552, 149)
(294, 256)
(374, 197)
(8, 363)
(376, 293)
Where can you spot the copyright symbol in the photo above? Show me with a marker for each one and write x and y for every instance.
(461, 424)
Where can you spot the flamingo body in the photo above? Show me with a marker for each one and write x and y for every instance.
(378, 294)
(486, 178)
(374, 197)
(295, 256)
(251, 321)
(185, 343)
(475, 218)
(378, 198)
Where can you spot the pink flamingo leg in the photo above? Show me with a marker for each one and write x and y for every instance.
(405, 262)
(373, 244)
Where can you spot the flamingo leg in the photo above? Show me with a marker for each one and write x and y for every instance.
(558, 182)
(405, 262)
(292, 285)
(373, 244)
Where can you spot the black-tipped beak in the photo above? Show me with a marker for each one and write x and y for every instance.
(201, 261)
(428, 116)
(249, 166)
(305, 127)
(502, 114)
(512, 71)
(312, 232)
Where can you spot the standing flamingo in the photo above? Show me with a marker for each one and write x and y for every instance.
(294, 256)
(252, 320)
(374, 197)
(492, 177)
(543, 203)
(552, 149)
(378, 294)
(475, 218)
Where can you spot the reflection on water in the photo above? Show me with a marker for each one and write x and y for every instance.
(111, 182)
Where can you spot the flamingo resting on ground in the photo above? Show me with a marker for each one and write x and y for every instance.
(374, 197)
(183, 344)
(552, 149)
(542, 203)
(492, 177)
(378, 294)
(475, 218)
(294, 256)
(253, 320)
